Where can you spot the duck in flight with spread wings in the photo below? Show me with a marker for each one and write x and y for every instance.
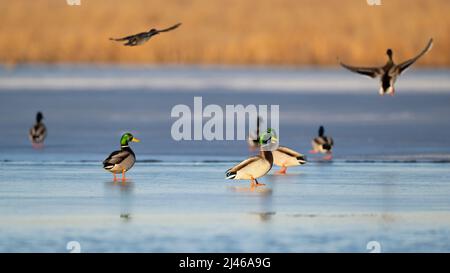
(143, 37)
(390, 71)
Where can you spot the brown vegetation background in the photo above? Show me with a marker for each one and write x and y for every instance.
(288, 32)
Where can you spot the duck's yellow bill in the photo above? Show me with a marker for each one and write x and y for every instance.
(135, 140)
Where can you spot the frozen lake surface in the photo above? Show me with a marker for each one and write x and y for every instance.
(389, 182)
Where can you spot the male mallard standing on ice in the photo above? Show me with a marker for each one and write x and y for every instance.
(390, 71)
(283, 156)
(322, 144)
(141, 38)
(123, 160)
(38, 132)
(256, 166)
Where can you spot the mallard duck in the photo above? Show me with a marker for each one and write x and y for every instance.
(390, 71)
(283, 156)
(286, 157)
(38, 132)
(322, 144)
(253, 140)
(256, 166)
(123, 160)
(143, 37)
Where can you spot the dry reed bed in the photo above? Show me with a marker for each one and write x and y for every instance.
(292, 32)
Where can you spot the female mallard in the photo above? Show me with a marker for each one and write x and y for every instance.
(123, 160)
(282, 156)
(38, 132)
(390, 71)
(256, 166)
(322, 144)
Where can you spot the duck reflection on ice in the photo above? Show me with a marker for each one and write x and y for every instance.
(252, 188)
(263, 208)
(265, 216)
(121, 195)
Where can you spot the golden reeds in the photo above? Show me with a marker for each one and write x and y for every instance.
(292, 32)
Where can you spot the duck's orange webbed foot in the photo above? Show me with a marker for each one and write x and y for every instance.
(37, 146)
(255, 183)
(124, 179)
(282, 170)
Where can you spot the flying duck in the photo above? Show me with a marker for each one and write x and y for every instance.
(283, 156)
(389, 72)
(123, 160)
(256, 166)
(322, 144)
(141, 38)
(38, 132)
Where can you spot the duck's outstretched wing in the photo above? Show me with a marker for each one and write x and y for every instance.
(372, 72)
(127, 37)
(403, 66)
(122, 39)
(169, 28)
(115, 158)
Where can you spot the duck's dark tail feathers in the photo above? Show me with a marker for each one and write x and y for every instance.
(301, 159)
(230, 174)
(107, 166)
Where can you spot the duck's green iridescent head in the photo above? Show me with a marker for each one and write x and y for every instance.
(127, 137)
(270, 136)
